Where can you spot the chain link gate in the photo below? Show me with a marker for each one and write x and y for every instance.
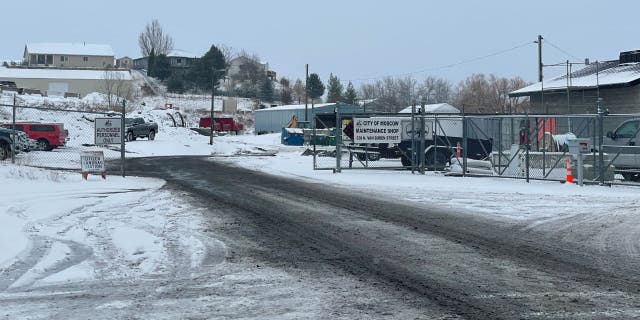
(55, 137)
(529, 147)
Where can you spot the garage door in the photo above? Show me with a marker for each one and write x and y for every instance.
(58, 88)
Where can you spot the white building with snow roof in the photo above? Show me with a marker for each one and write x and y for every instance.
(69, 55)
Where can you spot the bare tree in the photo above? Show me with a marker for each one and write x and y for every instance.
(153, 37)
(481, 94)
(228, 52)
(117, 87)
(435, 90)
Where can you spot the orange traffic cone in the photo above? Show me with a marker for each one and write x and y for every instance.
(569, 175)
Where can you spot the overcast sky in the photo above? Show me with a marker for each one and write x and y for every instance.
(354, 39)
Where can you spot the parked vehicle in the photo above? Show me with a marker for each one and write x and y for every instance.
(222, 124)
(23, 143)
(623, 147)
(48, 136)
(138, 128)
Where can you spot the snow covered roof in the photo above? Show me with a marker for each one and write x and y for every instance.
(603, 74)
(434, 108)
(182, 53)
(296, 107)
(81, 49)
(22, 73)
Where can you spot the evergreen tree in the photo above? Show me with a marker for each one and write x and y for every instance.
(350, 95)
(151, 62)
(315, 87)
(175, 84)
(209, 69)
(266, 90)
(334, 89)
(162, 67)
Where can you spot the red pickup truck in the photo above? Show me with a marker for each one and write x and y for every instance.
(222, 124)
(48, 135)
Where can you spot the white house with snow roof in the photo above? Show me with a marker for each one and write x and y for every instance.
(69, 55)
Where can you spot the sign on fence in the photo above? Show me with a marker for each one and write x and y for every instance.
(108, 131)
(377, 130)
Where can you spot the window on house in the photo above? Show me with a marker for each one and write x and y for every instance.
(41, 59)
(62, 58)
(179, 61)
(85, 59)
(49, 59)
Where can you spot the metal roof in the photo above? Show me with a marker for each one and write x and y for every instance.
(602, 74)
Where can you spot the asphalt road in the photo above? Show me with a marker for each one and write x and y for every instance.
(451, 264)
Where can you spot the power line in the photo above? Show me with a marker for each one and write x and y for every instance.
(560, 49)
(446, 66)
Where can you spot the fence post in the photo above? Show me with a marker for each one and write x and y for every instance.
(422, 140)
(338, 140)
(413, 158)
(435, 141)
(122, 144)
(465, 134)
(314, 139)
(527, 145)
(601, 141)
(13, 145)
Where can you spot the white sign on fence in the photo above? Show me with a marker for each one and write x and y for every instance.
(377, 130)
(108, 131)
(409, 131)
(92, 162)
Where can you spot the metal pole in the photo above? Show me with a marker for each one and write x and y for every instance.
(580, 169)
(423, 136)
(13, 144)
(338, 141)
(213, 94)
(544, 147)
(435, 141)
(601, 140)
(122, 144)
(413, 158)
(465, 134)
(315, 140)
(527, 146)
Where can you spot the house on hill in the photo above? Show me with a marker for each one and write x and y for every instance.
(236, 67)
(178, 59)
(616, 82)
(68, 55)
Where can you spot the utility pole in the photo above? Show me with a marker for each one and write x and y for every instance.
(539, 58)
(306, 94)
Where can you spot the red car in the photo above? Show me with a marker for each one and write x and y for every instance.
(47, 135)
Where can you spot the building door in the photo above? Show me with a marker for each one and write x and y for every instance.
(58, 88)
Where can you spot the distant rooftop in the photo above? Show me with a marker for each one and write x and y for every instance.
(85, 49)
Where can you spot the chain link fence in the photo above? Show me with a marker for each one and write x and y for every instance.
(51, 137)
(589, 148)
